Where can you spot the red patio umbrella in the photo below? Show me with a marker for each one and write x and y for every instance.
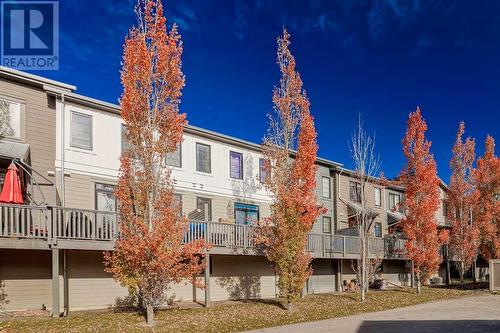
(11, 192)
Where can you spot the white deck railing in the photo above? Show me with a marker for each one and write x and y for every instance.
(53, 223)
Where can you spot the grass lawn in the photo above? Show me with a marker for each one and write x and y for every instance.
(233, 316)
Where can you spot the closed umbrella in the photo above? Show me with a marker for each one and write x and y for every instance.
(11, 192)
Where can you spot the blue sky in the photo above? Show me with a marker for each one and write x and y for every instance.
(377, 58)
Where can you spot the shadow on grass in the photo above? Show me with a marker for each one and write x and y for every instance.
(465, 286)
(265, 301)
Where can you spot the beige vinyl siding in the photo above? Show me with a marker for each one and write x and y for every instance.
(327, 203)
(27, 279)
(342, 210)
(80, 190)
(395, 271)
(323, 278)
(90, 287)
(242, 277)
(38, 128)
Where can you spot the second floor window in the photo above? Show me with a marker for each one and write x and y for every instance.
(124, 142)
(81, 130)
(10, 119)
(177, 202)
(325, 187)
(378, 196)
(175, 158)
(235, 165)
(262, 170)
(394, 201)
(378, 229)
(204, 205)
(355, 191)
(246, 213)
(203, 158)
(327, 224)
(105, 197)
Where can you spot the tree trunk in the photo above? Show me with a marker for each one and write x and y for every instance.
(150, 315)
(419, 284)
(289, 306)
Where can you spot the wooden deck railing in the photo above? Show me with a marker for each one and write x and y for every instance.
(61, 223)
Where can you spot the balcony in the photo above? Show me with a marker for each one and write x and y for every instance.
(30, 227)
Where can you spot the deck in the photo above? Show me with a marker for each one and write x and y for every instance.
(32, 227)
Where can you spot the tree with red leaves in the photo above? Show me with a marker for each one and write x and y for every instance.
(290, 151)
(421, 201)
(487, 181)
(462, 200)
(150, 254)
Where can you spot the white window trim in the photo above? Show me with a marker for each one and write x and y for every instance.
(72, 144)
(329, 187)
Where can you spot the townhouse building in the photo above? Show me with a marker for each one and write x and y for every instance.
(67, 148)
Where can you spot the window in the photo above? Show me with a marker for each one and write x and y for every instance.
(125, 144)
(10, 119)
(177, 201)
(445, 208)
(201, 203)
(394, 201)
(355, 191)
(262, 170)
(203, 163)
(378, 229)
(378, 196)
(105, 197)
(174, 158)
(245, 213)
(81, 130)
(326, 188)
(235, 165)
(327, 224)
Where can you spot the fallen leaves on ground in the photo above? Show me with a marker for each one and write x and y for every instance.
(234, 316)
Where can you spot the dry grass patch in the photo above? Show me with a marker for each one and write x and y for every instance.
(234, 316)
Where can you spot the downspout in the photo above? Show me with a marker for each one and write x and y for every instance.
(63, 136)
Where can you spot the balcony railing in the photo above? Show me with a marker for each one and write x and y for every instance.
(53, 224)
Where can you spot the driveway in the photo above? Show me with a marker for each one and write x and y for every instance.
(467, 315)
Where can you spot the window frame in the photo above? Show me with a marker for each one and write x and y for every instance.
(329, 196)
(231, 152)
(379, 191)
(262, 172)
(75, 145)
(199, 144)
(179, 149)
(209, 206)
(329, 218)
(246, 211)
(19, 131)
(179, 195)
(100, 190)
(398, 195)
(378, 224)
(357, 193)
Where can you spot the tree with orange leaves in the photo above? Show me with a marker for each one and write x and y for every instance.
(462, 200)
(290, 151)
(421, 200)
(150, 254)
(487, 181)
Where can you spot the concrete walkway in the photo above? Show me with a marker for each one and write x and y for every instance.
(467, 315)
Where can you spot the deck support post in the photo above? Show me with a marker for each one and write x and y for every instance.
(207, 280)
(56, 311)
(65, 282)
(447, 262)
(412, 274)
(339, 275)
